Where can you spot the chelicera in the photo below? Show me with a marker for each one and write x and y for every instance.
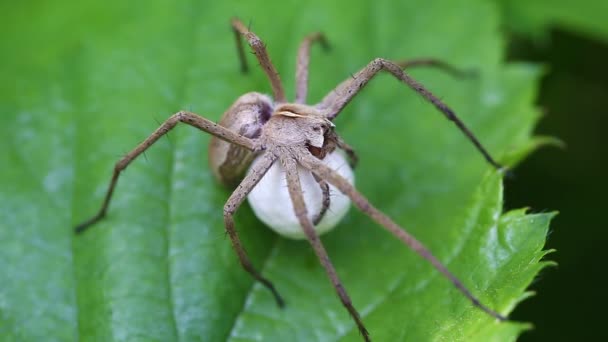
(298, 139)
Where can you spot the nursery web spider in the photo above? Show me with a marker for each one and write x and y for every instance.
(295, 134)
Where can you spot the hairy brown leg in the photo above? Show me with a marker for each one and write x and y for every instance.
(239, 48)
(324, 203)
(436, 63)
(232, 205)
(338, 91)
(260, 52)
(295, 192)
(303, 61)
(182, 116)
(331, 176)
(333, 103)
(353, 159)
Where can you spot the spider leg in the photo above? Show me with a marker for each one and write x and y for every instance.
(333, 103)
(338, 91)
(331, 176)
(182, 116)
(436, 63)
(326, 200)
(295, 192)
(233, 203)
(260, 52)
(302, 63)
(353, 159)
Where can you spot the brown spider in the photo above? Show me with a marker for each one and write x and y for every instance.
(295, 133)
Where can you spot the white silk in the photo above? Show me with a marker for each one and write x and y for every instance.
(271, 203)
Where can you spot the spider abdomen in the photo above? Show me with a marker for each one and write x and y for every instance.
(271, 203)
(246, 117)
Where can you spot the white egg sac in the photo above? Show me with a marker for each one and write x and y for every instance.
(272, 205)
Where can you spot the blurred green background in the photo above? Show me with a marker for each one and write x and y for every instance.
(570, 40)
(572, 297)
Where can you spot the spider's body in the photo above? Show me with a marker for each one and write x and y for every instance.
(295, 144)
(296, 126)
(254, 115)
(246, 117)
(282, 129)
(293, 130)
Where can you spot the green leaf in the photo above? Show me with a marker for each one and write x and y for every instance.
(536, 17)
(87, 82)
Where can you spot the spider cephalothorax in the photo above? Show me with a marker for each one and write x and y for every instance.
(294, 131)
(295, 125)
(282, 143)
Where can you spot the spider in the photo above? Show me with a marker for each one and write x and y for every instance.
(295, 136)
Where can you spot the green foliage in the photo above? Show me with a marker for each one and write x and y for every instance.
(90, 81)
(535, 17)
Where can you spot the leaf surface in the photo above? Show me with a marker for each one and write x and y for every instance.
(90, 81)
